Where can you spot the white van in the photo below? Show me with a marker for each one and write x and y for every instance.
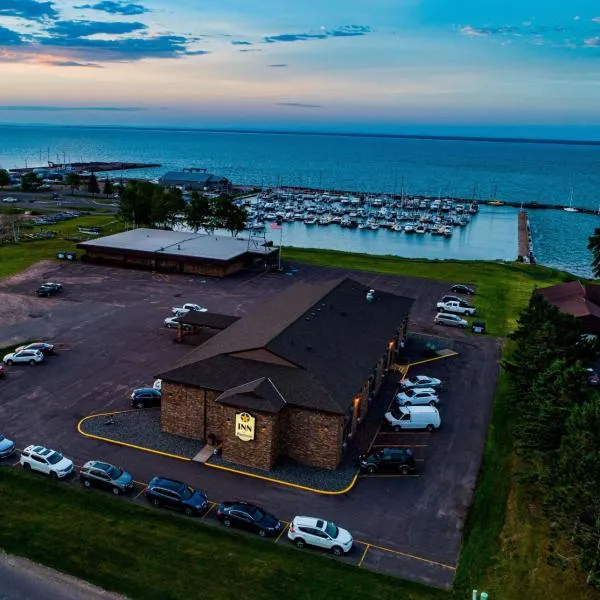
(413, 417)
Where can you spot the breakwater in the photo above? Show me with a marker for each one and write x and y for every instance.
(91, 167)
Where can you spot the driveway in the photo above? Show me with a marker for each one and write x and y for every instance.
(108, 328)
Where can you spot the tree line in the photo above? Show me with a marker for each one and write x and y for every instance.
(149, 204)
(556, 416)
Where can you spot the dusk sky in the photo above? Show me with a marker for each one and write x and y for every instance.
(527, 67)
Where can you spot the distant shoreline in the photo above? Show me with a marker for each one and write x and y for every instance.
(455, 138)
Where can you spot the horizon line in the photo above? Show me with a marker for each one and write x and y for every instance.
(417, 136)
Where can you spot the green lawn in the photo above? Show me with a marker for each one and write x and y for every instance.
(503, 289)
(17, 257)
(148, 554)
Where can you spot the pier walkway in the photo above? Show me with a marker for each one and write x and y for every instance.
(524, 240)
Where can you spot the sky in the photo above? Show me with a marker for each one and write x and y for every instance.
(526, 68)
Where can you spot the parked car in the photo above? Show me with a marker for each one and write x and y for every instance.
(9, 200)
(413, 417)
(181, 310)
(421, 381)
(177, 495)
(7, 447)
(157, 385)
(249, 517)
(171, 323)
(104, 475)
(311, 531)
(47, 290)
(461, 301)
(399, 460)
(2, 371)
(455, 307)
(461, 288)
(450, 320)
(47, 461)
(417, 396)
(31, 357)
(43, 347)
(52, 284)
(145, 398)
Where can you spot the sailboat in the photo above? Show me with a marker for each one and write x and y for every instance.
(570, 207)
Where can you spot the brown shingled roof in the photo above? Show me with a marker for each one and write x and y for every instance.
(207, 319)
(260, 394)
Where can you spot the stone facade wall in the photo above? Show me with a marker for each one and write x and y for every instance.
(311, 438)
(261, 452)
(182, 410)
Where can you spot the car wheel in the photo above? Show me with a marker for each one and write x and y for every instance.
(116, 491)
(32, 362)
(139, 405)
(155, 502)
(227, 522)
(9, 362)
(371, 469)
(408, 403)
(86, 483)
(404, 470)
(430, 428)
(27, 466)
(262, 533)
(337, 551)
(54, 475)
(432, 403)
(188, 511)
(299, 543)
(397, 428)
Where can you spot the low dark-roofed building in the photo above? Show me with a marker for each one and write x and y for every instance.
(195, 180)
(302, 366)
(576, 299)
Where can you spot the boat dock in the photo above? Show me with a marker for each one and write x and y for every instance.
(89, 167)
(525, 251)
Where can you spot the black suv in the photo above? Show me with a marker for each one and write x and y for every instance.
(174, 494)
(145, 398)
(249, 517)
(399, 460)
(48, 289)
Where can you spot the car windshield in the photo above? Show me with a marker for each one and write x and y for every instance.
(54, 458)
(331, 529)
(410, 392)
(187, 492)
(114, 472)
(396, 413)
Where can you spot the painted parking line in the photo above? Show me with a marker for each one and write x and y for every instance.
(15, 463)
(140, 493)
(364, 554)
(282, 531)
(212, 505)
(407, 555)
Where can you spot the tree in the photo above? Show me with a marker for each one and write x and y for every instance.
(197, 212)
(29, 182)
(166, 205)
(4, 178)
(107, 188)
(230, 216)
(92, 185)
(73, 181)
(594, 246)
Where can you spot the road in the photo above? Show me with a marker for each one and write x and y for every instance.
(21, 579)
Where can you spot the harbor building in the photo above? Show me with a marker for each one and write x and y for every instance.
(293, 379)
(195, 179)
(177, 252)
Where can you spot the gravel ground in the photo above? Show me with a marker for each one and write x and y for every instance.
(142, 428)
(290, 472)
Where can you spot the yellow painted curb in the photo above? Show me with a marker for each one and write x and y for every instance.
(117, 442)
(406, 555)
(427, 360)
(286, 483)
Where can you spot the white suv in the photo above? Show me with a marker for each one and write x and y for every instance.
(44, 460)
(24, 356)
(310, 531)
(417, 396)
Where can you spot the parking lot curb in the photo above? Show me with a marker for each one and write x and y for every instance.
(118, 442)
(287, 483)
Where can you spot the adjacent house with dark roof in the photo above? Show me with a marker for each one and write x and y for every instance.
(297, 373)
(579, 300)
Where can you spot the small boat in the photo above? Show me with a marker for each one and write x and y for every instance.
(255, 226)
(447, 231)
(409, 228)
(324, 221)
(310, 221)
(570, 207)
(363, 225)
(420, 229)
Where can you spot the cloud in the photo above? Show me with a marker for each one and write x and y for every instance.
(241, 43)
(593, 42)
(8, 37)
(472, 32)
(251, 50)
(343, 31)
(277, 65)
(28, 9)
(40, 107)
(299, 104)
(116, 8)
(79, 29)
(73, 63)
(596, 19)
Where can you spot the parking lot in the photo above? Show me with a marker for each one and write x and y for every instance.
(107, 325)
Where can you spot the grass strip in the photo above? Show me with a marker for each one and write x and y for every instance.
(148, 554)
